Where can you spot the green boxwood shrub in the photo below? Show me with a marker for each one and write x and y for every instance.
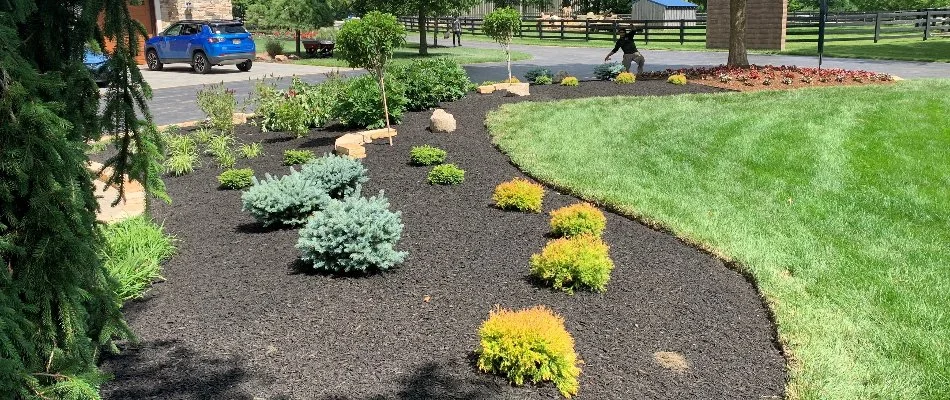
(431, 81)
(297, 157)
(426, 155)
(273, 47)
(361, 106)
(236, 178)
(543, 80)
(355, 235)
(446, 174)
(290, 199)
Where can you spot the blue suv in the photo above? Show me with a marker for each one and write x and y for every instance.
(202, 44)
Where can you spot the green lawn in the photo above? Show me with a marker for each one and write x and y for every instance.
(463, 55)
(835, 200)
(936, 49)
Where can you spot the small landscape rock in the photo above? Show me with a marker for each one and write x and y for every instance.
(518, 89)
(281, 58)
(442, 122)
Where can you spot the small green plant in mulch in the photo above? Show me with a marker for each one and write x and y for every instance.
(570, 81)
(519, 194)
(251, 150)
(446, 174)
(236, 179)
(426, 155)
(297, 157)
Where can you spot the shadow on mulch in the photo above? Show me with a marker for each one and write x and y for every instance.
(432, 381)
(169, 369)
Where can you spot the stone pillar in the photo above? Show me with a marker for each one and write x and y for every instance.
(765, 25)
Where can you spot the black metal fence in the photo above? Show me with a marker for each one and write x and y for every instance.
(801, 27)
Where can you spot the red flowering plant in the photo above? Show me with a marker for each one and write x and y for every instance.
(765, 75)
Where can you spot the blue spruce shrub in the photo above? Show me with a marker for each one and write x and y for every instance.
(608, 71)
(291, 199)
(341, 176)
(355, 235)
(287, 200)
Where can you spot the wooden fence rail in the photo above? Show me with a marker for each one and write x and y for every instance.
(801, 27)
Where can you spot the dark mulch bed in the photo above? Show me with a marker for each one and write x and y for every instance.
(234, 320)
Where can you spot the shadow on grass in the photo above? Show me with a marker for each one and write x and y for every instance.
(168, 369)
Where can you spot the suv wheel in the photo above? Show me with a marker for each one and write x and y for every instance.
(151, 59)
(200, 63)
(245, 66)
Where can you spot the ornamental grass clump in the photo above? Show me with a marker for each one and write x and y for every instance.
(570, 81)
(578, 219)
(519, 194)
(625, 78)
(297, 157)
(133, 252)
(529, 345)
(291, 199)
(355, 235)
(567, 264)
(426, 155)
(236, 179)
(446, 174)
(677, 79)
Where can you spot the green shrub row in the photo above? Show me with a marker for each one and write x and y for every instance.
(354, 102)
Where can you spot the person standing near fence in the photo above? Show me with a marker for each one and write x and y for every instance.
(630, 53)
(456, 31)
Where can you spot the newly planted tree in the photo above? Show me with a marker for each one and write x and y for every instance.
(502, 25)
(369, 43)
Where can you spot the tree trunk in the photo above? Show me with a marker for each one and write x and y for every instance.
(382, 89)
(508, 58)
(297, 36)
(738, 56)
(423, 46)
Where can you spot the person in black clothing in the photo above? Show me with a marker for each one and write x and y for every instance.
(630, 53)
(456, 31)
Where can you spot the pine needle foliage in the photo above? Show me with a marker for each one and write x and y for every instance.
(58, 306)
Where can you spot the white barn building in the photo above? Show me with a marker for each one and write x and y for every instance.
(664, 10)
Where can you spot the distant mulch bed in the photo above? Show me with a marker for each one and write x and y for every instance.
(235, 318)
(769, 77)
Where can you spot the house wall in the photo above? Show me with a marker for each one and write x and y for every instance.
(174, 10)
(765, 24)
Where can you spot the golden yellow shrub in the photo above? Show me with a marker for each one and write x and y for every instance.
(530, 344)
(578, 219)
(519, 194)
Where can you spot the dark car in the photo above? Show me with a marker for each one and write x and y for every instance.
(98, 65)
(202, 44)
